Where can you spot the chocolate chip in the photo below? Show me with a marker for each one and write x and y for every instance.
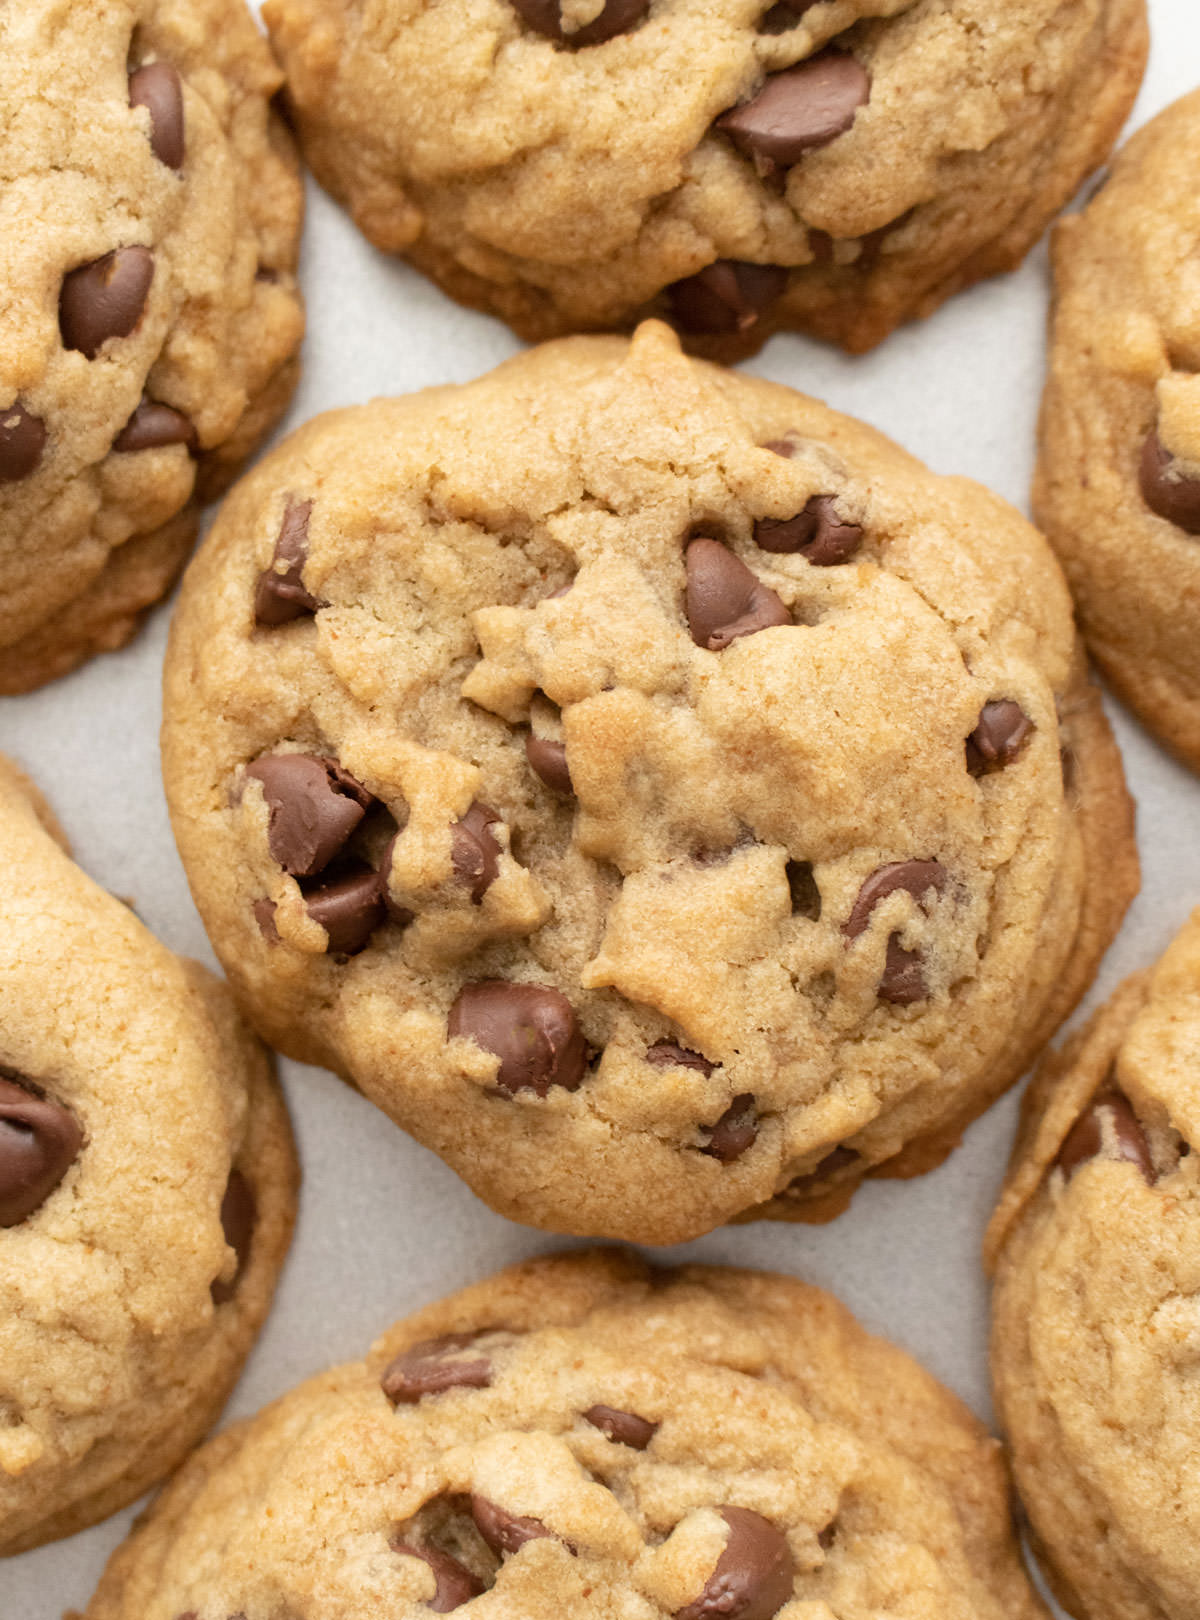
(817, 532)
(806, 897)
(827, 1537)
(781, 447)
(39, 1142)
(157, 87)
(625, 1428)
(735, 1131)
(903, 980)
(238, 1215)
(455, 1585)
(1127, 1140)
(505, 1532)
(670, 1055)
(154, 425)
(729, 295)
(474, 852)
(804, 107)
(433, 1366)
(548, 759)
(754, 1576)
(1167, 489)
(724, 599)
(839, 1159)
(349, 907)
(104, 299)
(279, 595)
(616, 17)
(22, 441)
(264, 915)
(996, 741)
(783, 16)
(314, 806)
(531, 1028)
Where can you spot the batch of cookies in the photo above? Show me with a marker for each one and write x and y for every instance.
(659, 794)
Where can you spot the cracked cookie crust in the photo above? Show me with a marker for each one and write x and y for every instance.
(660, 794)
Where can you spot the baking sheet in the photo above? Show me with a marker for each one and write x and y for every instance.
(384, 1226)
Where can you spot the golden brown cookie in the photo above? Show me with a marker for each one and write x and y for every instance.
(149, 226)
(1118, 480)
(585, 1436)
(147, 1192)
(738, 166)
(643, 783)
(1096, 1331)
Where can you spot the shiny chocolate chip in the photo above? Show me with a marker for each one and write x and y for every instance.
(1168, 490)
(903, 980)
(754, 1576)
(153, 426)
(432, 1366)
(279, 595)
(238, 1215)
(454, 1583)
(996, 741)
(39, 1142)
(804, 107)
(349, 907)
(104, 299)
(157, 87)
(729, 295)
(724, 599)
(264, 915)
(670, 1055)
(22, 441)
(780, 18)
(802, 885)
(314, 806)
(735, 1131)
(474, 852)
(817, 533)
(800, 1187)
(531, 1028)
(503, 1531)
(616, 17)
(1111, 1117)
(623, 1428)
(548, 760)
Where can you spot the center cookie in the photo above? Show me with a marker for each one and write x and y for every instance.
(643, 783)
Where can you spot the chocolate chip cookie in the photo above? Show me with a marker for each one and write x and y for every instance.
(643, 783)
(1118, 480)
(736, 166)
(1096, 1335)
(584, 1436)
(147, 1191)
(149, 223)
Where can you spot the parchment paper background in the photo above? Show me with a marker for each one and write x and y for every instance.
(384, 1226)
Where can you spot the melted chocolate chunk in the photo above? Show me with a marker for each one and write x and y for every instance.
(669, 1054)
(616, 17)
(279, 595)
(104, 299)
(349, 907)
(996, 741)
(455, 1585)
(903, 980)
(238, 1215)
(433, 1366)
(531, 1028)
(314, 807)
(548, 760)
(623, 1428)
(725, 601)
(157, 87)
(39, 1142)
(1108, 1116)
(817, 533)
(728, 295)
(22, 442)
(153, 426)
(754, 1576)
(474, 852)
(799, 109)
(503, 1531)
(1167, 489)
(735, 1131)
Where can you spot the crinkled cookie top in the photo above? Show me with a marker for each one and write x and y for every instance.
(641, 781)
(582, 1436)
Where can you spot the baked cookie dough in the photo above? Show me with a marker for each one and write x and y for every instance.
(149, 314)
(147, 1192)
(1118, 479)
(737, 166)
(643, 783)
(585, 1436)
(1096, 1333)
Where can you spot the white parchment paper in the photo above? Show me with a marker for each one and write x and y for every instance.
(384, 1226)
